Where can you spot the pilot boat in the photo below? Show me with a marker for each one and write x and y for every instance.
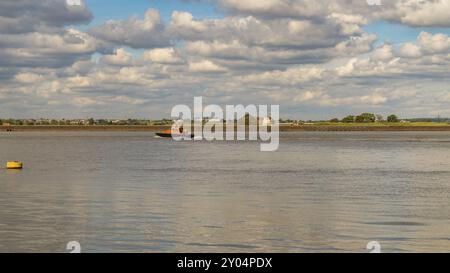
(173, 134)
(176, 132)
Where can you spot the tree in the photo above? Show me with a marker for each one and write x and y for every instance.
(349, 119)
(359, 119)
(392, 118)
(366, 117)
(102, 122)
(380, 118)
(335, 120)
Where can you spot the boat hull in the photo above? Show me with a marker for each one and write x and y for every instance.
(164, 135)
(167, 135)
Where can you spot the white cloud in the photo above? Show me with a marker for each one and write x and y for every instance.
(410, 50)
(28, 77)
(84, 101)
(162, 56)
(134, 32)
(127, 100)
(185, 21)
(307, 96)
(367, 100)
(425, 13)
(350, 24)
(121, 57)
(293, 52)
(25, 16)
(383, 53)
(206, 66)
(46, 50)
(79, 81)
(291, 76)
(438, 43)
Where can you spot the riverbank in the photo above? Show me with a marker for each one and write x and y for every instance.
(330, 128)
(107, 128)
(283, 128)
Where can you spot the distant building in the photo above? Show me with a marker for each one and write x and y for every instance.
(6, 124)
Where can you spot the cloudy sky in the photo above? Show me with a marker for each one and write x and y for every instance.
(316, 59)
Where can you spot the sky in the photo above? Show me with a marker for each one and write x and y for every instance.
(138, 59)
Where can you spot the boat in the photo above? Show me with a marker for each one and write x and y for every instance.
(165, 134)
(174, 134)
(177, 131)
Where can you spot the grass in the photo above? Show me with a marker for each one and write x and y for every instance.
(406, 124)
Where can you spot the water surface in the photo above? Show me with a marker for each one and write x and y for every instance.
(320, 192)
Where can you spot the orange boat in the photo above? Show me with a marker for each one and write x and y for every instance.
(174, 133)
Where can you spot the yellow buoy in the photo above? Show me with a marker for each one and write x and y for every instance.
(14, 165)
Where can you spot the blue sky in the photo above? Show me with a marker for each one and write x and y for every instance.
(397, 33)
(120, 9)
(104, 10)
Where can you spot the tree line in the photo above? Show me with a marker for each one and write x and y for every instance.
(367, 118)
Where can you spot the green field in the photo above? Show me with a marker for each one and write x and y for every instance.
(387, 124)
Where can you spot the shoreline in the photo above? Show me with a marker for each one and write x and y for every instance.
(157, 128)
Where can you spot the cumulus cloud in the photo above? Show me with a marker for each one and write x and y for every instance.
(372, 99)
(46, 50)
(185, 21)
(23, 16)
(383, 53)
(120, 57)
(307, 96)
(432, 13)
(410, 50)
(297, 53)
(148, 32)
(322, 98)
(438, 43)
(291, 76)
(84, 101)
(206, 66)
(280, 8)
(27, 77)
(127, 100)
(162, 56)
(37, 34)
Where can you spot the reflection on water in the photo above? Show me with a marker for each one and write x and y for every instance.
(321, 192)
